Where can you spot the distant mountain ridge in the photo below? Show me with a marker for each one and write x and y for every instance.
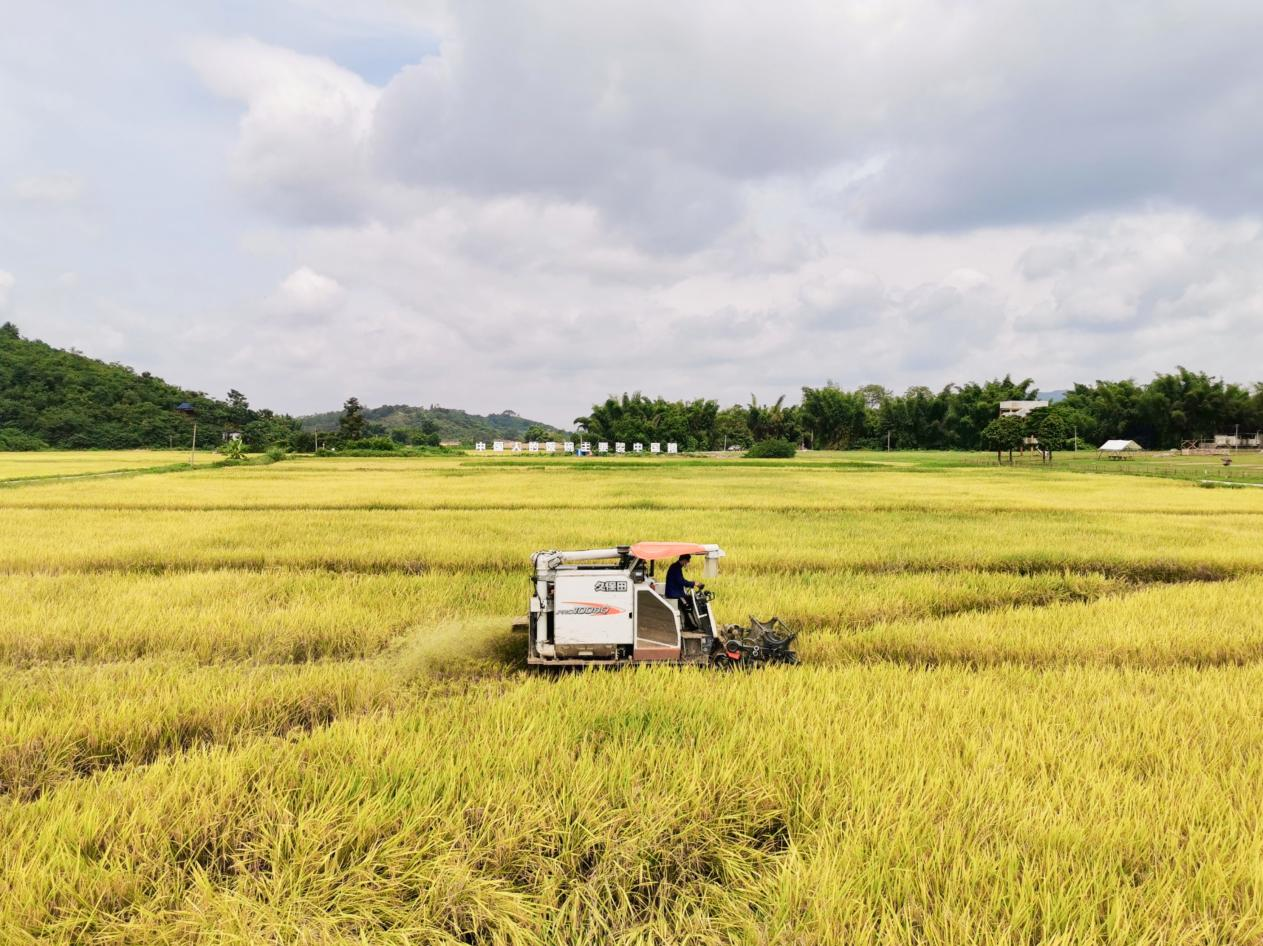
(449, 423)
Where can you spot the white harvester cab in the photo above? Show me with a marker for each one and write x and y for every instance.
(609, 605)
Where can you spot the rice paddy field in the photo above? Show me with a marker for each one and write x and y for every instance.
(50, 464)
(283, 704)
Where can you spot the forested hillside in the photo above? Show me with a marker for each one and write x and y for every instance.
(448, 423)
(50, 397)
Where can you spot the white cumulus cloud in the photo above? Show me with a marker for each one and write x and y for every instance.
(301, 150)
(307, 293)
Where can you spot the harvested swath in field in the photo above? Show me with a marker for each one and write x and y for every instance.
(61, 722)
(1183, 624)
(279, 615)
(224, 615)
(858, 805)
(824, 602)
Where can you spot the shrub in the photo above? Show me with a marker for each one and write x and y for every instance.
(772, 449)
(232, 449)
(370, 443)
(275, 454)
(13, 439)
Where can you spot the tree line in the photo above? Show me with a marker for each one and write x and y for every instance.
(51, 397)
(1170, 409)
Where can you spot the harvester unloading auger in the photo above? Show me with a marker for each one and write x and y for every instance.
(606, 606)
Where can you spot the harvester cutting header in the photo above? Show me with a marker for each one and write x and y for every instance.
(607, 606)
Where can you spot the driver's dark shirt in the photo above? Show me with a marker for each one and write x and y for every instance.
(676, 582)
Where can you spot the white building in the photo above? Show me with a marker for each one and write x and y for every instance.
(1237, 440)
(1020, 408)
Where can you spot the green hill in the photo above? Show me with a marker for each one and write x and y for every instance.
(55, 398)
(448, 423)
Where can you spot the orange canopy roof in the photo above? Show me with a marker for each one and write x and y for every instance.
(652, 551)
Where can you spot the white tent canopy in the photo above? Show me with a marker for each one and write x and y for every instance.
(1119, 446)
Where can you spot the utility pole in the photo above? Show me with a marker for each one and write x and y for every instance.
(188, 411)
(888, 441)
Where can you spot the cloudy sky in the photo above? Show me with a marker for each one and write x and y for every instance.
(529, 204)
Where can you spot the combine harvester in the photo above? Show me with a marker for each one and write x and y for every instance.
(604, 607)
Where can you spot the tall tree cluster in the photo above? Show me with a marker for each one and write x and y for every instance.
(634, 418)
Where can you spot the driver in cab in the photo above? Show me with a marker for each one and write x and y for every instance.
(677, 584)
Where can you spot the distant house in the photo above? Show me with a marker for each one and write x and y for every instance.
(1118, 449)
(1020, 408)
